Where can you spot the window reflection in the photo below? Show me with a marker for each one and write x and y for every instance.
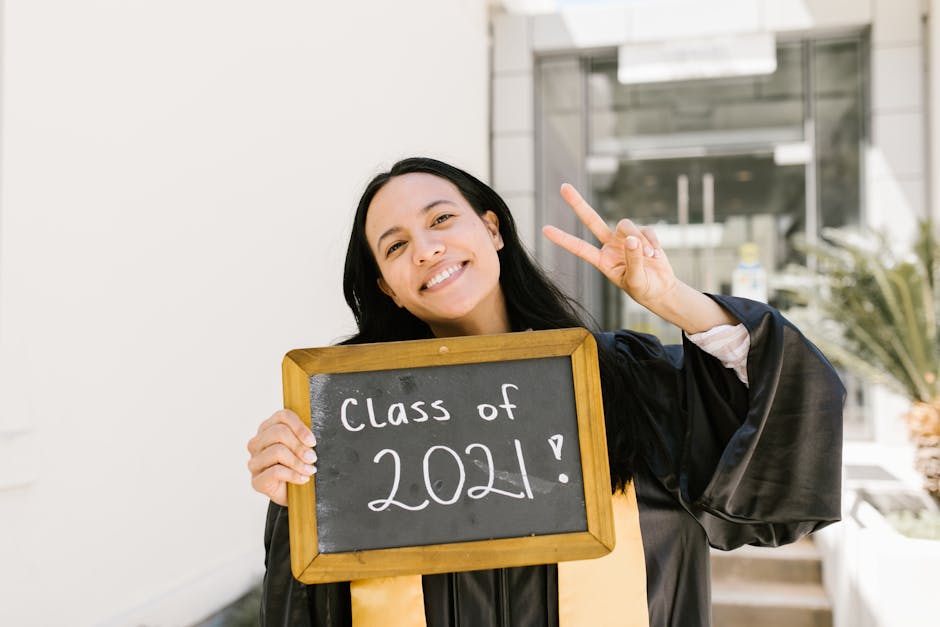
(712, 164)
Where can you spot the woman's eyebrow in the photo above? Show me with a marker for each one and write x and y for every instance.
(425, 209)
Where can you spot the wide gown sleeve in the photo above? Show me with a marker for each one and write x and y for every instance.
(757, 464)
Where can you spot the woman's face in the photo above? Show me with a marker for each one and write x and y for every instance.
(437, 256)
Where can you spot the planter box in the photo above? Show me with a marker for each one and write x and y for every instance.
(875, 576)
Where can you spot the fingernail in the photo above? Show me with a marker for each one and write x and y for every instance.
(310, 440)
(310, 457)
(658, 252)
(648, 251)
(310, 469)
(632, 242)
(303, 479)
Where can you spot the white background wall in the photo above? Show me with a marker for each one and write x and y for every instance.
(176, 186)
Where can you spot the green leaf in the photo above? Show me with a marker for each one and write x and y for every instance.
(874, 313)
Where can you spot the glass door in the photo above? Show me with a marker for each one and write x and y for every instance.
(704, 209)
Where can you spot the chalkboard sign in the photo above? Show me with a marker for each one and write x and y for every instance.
(449, 454)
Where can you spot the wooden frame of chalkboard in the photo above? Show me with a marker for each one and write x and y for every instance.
(527, 512)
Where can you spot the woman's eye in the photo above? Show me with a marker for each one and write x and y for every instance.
(442, 218)
(393, 248)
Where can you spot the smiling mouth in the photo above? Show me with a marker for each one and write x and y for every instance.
(443, 275)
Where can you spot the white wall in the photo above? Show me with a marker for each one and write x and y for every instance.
(896, 161)
(933, 103)
(177, 182)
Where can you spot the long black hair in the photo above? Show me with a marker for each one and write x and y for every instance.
(533, 301)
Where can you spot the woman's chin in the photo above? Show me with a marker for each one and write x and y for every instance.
(465, 316)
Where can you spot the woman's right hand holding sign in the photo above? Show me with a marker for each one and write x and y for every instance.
(281, 453)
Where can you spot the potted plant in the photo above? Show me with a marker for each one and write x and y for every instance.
(875, 313)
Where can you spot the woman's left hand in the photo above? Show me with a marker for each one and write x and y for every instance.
(630, 256)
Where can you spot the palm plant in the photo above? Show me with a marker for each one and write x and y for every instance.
(875, 313)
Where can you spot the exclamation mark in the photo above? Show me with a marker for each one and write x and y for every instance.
(555, 442)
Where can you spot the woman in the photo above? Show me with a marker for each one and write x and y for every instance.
(723, 453)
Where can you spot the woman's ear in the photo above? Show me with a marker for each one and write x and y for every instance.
(388, 291)
(492, 225)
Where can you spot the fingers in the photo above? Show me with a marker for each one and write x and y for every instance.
(574, 245)
(651, 237)
(274, 480)
(595, 224)
(280, 453)
(643, 240)
(598, 226)
(630, 256)
(293, 422)
(273, 483)
(641, 255)
(279, 433)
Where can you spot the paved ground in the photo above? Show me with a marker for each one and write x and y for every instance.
(242, 613)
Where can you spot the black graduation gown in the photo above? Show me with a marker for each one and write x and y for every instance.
(720, 464)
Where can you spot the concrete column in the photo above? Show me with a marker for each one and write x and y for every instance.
(932, 46)
(513, 122)
(896, 162)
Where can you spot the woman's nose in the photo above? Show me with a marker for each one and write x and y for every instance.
(427, 248)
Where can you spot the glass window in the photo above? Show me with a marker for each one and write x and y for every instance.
(711, 164)
(706, 160)
(838, 103)
(631, 117)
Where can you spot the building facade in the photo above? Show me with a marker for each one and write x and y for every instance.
(722, 123)
(738, 128)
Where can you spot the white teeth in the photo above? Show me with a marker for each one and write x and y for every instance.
(440, 276)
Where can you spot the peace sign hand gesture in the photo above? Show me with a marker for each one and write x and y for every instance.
(629, 256)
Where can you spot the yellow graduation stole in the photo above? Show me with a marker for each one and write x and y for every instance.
(609, 590)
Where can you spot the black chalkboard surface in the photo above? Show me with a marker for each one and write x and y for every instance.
(450, 454)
